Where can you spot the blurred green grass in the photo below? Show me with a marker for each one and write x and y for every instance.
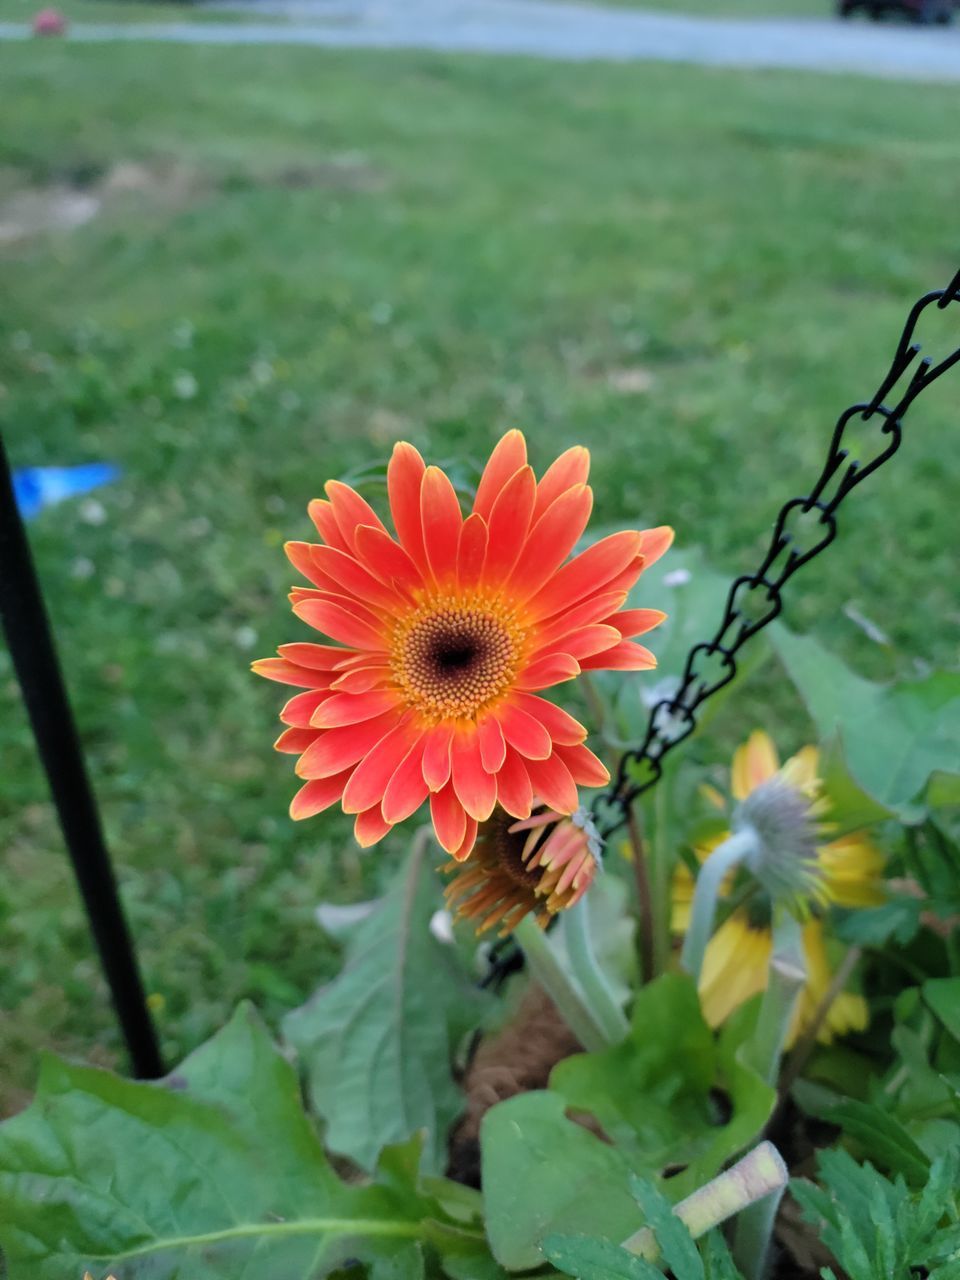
(302, 256)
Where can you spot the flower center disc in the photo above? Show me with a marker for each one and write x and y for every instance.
(510, 847)
(452, 659)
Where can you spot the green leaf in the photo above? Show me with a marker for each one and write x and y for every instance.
(377, 1042)
(943, 997)
(544, 1173)
(197, 1176)
(894, 737)
(588, 1258)
(883, 1139)
(675, 1241)
(652, 1093)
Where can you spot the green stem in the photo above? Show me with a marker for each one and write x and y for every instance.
(785, 981)
(588, 974)
(706, 896)
(647, 915)
(758, 1175)
(754, 1236)
(547, 969)
(660, 871)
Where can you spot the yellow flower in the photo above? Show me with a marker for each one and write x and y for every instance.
(737, 958)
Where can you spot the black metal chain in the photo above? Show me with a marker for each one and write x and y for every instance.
(755, 599)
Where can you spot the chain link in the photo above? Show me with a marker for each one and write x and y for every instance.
(754, 600)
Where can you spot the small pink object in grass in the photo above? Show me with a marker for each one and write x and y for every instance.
(49, 22)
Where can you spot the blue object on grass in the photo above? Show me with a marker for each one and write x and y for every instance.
(39, 487)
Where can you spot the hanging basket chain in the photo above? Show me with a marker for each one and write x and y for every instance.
(754, 600)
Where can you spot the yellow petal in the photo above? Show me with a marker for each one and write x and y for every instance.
(801, 771)
(734, 967)
(754, 762)
(852, 871)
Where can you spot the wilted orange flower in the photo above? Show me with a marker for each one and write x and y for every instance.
(544, 863)
(445, 633)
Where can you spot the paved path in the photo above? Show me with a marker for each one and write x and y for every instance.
(560, 30)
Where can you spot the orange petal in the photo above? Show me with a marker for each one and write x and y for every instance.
(369, 780)
(514, 790)
(321, 513)
(300, 555)
(293, 741)
(561, 726)
(334, 620)
(508, 525)
(442, 519)
(551, 540)
(465, 848)
(586, 574)
(472, 551)
(493, 748)
(526, 735)
(404, 476)
(585, 769)
(337, 749)
(570, 469)
(361, 679)
(586, 613)
(298, 710)
(349, 576)
(406, 790)
(654, 542)
(436, 757)
(509, 455)
(350, 708)
(322, 656)
(476, 789)
(635, 622)
(387, 559)
(585, 642)
(285, 672)
(449, 819)
(552, 782)
(350, 511)
(626, 656)
(370, 827)
(553, 669)
(313, 797)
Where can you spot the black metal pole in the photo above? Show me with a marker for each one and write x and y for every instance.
(34, 655)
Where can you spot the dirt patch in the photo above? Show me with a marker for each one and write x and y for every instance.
(78, 198)
(65, 205)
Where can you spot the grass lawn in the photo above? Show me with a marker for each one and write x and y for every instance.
(317, 253)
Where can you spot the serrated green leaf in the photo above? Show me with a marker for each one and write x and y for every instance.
(376, 1043)
(542, 1173)
(883, 1139)
(191, 1177)
(894, 737)
(675, 1241)
(589, 1258)
(651, 1094)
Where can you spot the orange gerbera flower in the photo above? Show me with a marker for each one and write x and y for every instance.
(445, 633)
(544, 863)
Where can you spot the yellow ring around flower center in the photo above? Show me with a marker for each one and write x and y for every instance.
(452, 658)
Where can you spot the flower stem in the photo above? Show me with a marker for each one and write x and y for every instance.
(548, 970)
(641, 873)
(588, 974)
(754, 1235)
(759, 1175)
(728, 855)
(785, 981)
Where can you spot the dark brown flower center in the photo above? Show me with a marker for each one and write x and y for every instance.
(510, 847)
(453, 658)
